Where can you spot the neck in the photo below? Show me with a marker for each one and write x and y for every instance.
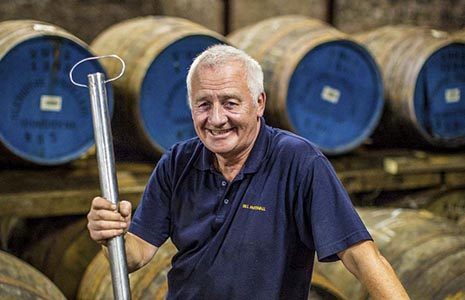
(230, 167)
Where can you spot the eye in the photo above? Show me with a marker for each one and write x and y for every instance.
(231, 104)
(203, 104)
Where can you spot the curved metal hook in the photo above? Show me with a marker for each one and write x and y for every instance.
(94, 58)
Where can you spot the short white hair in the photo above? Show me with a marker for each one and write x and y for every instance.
(220, 55)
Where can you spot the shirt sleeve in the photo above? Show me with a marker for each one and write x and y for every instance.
(151, 220)
(328, 220)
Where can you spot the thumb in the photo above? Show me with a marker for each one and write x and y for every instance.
(125, 208)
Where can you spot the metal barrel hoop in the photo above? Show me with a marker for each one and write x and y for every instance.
(123, 68)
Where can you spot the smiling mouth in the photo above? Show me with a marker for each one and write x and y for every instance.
(216, 132)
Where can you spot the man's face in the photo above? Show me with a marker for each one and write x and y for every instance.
(225, 117)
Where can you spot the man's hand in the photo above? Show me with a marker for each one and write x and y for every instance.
(105, 221)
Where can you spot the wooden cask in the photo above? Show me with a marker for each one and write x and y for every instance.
(424, 77)
(150, 282)
(45, 119)
(426, 252)
(19, 280)
(63, 254)
(151, 111)
(320, 83)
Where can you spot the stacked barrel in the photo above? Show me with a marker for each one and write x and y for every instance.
(394, 86)
(150, 282)
(398, 85)
(47, 120)
(19, 280)
(321, 83)
(424, 77)
(62, 254)
(44, 119)
(151, 111)
(426, 251)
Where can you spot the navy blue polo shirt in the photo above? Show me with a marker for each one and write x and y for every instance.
(254, 237)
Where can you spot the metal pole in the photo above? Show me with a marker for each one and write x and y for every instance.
(108, 180)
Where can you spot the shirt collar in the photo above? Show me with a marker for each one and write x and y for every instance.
(257, 155)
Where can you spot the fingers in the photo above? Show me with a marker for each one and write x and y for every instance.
(102, 230)
(105, 222)
(102, 203)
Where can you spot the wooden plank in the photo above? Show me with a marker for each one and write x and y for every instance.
(79, 174)
(65, 190)
(371, 180)
(454, 179)
(58, 203)
(68, 190)
(384, 170)
(424, 163)
(77, 201)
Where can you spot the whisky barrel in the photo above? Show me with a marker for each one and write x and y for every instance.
(150, 282)
(151, 112)
(44, 119)
(19, 280)
(63, 255)
(424, 75)
(146, 283)
(426, 252)
(321, 84)
(448, 203)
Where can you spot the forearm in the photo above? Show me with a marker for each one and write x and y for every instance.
(374, 272)
(380, 280)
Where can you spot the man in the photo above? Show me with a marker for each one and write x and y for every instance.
(245, 204)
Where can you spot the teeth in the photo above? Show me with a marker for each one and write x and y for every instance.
(218, 132)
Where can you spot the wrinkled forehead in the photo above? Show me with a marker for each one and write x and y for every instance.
(220, 66)
(223, 71)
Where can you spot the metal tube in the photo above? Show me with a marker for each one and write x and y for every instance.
(108, 180)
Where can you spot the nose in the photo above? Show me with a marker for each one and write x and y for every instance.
(217, 116)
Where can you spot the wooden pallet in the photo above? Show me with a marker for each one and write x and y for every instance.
(68, 190)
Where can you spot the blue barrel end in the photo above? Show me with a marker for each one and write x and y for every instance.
(335, 96)
(163, 104)
(439, 99)
(45, 118)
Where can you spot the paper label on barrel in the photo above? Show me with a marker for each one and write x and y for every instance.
(452, 95)
(330, 94)
(50, 103)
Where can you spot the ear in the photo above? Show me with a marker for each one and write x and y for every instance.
(261, 101)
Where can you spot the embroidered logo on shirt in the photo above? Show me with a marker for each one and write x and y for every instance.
(254, 207)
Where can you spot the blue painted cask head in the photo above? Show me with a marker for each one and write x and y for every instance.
(151, 110)
(320, 83)
(424, 75)
(45, 119)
